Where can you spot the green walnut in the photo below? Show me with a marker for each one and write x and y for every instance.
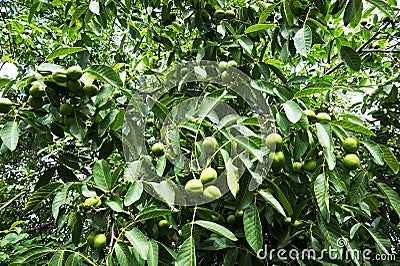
(36, 102)
(211, 193)
(66, 109)
(163, 224)
(219, 14)
(231, 219)
(157, 149)
(231, 64)
(222, 65)
(278, 160)
(90, 90)
(226, 77)
(209, 145)
(323, 117)
(310, 166)
(99, 241)
(351, 144)
(229, 14)
(208, 175)
(75, 86)
(274, 141)
(37, 90)
(194, 187)
(311, 116)
(238, 213)
(90, 238)
(5, 105)
(59, 76)
(74, 72)
(351, 161)
(95, 202)
(297, 166)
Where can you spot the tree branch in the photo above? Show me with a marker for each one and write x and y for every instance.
(380, 51)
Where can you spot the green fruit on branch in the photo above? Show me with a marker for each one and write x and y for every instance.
(74, 72)
(222, 65)
(212, 193)
(229, 14)
(231, 219)
(163, 224)
(226, 77)
(310, 166)
(311, 116)
(36, 102)
(90, 90)
(278, 160)
(208, 175)
(323, 117)
(66, 109)
(209, 145)
(219, 14)
(75, 86)
(351, 161)
(297, 166)
(287, 219)
(274, 141)
(90, 238)
(5, 105)
(194, 187)
(37, 90)
(231, 64)
(238, 213)
(59, 76)
(351, 144)
(157, 149)
(95, 202)
(183, 72)
(99, 241)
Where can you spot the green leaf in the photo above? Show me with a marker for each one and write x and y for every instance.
(105, 73)
(59, 200)
(78, 128)
(232, 176)
(391, 195)
(309, 92)
(63, 51)
(41, 194)
(349, 12)
(102, 175)
(246, 44)
(268, 197)
(57, 259)
(303, 40)
(134, 193)
(321, 191)
(75, 259)
(353, 127)
(330, 158)
(375, 151)
(123, 254)
(152, 256)
(106, 122)
(216, 228)
(288, 13)
(265, 14)
(390, 158)
(351, 58)
(10, 134)
(281, 196)
(115, 203)
(358, 188)
(79, 11)
(252, 228)
(293, 111)
(384, 7)
(324, 134)
(383, 244)
(258, 27)
(30, 255)
(138, 241)
(187, 253)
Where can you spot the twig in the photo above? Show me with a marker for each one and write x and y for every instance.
(11, 200)
(380, 51)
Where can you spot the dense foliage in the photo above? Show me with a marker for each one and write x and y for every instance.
(75, 190)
